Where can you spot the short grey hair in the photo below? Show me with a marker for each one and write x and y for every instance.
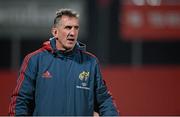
(64, 12)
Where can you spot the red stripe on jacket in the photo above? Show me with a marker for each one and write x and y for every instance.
(20, 80)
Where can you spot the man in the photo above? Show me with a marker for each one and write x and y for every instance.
(61, 78)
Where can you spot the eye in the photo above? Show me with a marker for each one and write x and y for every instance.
(68, 27)
(76, 27)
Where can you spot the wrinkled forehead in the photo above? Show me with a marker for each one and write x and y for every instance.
(66, 20)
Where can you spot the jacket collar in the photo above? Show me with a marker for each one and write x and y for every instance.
(50, 45)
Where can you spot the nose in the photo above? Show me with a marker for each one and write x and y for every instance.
(72, 32)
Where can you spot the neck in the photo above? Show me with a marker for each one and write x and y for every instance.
(63, 49)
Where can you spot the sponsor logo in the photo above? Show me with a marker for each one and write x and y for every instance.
(46, 74)
(80, 87)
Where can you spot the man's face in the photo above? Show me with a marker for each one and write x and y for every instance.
(66, 33)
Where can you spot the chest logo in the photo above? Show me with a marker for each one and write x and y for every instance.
(46, 74)
(83, 76)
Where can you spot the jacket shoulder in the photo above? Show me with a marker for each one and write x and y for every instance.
(90, 56)
(34, 55)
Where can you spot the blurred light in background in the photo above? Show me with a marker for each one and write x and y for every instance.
(27, 18)
(148, 2)
(150, 19)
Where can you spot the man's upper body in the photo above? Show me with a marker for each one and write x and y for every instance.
(61, 78)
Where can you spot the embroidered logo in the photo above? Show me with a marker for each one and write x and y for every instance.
(46, 74)
(83, 76)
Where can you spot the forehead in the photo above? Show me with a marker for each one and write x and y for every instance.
(66, 20)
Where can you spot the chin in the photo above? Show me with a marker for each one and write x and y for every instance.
(69, 47)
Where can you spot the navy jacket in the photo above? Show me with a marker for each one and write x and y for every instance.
(55, 83)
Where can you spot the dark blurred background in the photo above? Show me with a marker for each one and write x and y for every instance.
(137, 43)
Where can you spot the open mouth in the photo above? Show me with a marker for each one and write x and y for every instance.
(70, 39)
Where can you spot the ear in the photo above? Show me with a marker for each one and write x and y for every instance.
(54, 31)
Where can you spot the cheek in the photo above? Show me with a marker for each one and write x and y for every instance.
(62, 35)
(59, 34)
(77, 33)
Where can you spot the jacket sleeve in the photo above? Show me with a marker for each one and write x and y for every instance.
(22, 99)
(104, 103)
